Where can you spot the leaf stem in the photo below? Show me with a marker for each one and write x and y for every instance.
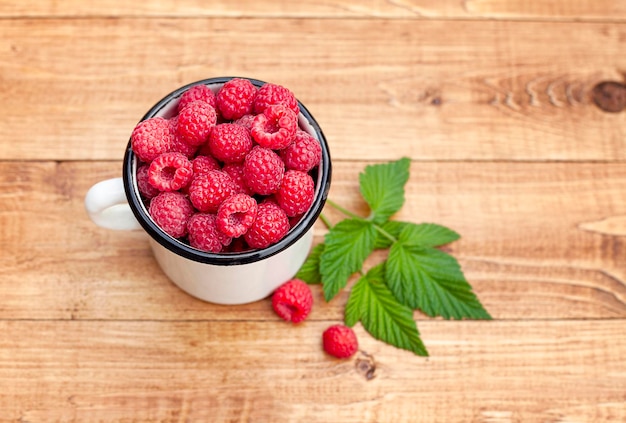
(342, 210)
(325, 220)
(354, 216)
(386, 234)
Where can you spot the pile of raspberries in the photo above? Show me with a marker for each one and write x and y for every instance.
(231, 171)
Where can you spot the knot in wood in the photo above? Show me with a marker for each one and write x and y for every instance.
(610, 96)
(366, 366)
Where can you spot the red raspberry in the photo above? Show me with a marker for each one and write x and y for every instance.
(170, 172)
(296, 192)
(145, 188)
(293, 300)
(202, 164)
(198, 92)
(204, 235)
(275, 128)
(171, 210)
(270, 226)
(229, 142)
(245, 121)
(208, 190)
(303, 154)
(263, 171)
(195, 123)
(340, 341)
(204, 150)
(270, 94)
(236, 215)
(236, 98)
(151, 138)
(237, 246)
(235, 171)
(293, 221)
(178, 145)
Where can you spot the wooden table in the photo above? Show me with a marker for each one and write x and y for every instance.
(492, 100)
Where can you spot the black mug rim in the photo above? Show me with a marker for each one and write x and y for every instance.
(226, 259)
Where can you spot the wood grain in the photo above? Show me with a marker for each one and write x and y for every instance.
(494, 93)
(492, 101)
(245, 371)
(525, 247)
(416, 9)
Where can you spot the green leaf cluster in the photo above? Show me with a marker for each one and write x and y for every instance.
(416, 274)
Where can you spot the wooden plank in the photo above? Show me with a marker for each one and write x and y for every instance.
(536, 242)
(417, 9)
(379, 88)
(226, 371)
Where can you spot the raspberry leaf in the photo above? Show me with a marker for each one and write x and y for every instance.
(310, 270)
(426, 235)
(382, 316)
(430, 280)
(347, 245)
(382, 187)
(415, 276)
(392, 228)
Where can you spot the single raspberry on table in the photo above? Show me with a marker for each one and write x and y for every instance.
(293, 300)
(171, 211)
(236, 98)
(270, 226)
(230, 143)
(275, 128)
(151, 138)
(198, 92)
(145, 187)
(202, 164)
(263, 170)
(270, 94)
(195, 122)
(204, 235)
(296, 192)
(303, 154)
(208, 190)
(170, 172)
(340, 341)
(235, 171)
(236, 215)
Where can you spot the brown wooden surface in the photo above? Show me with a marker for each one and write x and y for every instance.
(505, 90)
(492, 101)
(415, 9)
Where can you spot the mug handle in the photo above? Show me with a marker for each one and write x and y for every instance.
(107, 206)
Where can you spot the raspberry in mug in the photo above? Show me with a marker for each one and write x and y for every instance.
(235, 162)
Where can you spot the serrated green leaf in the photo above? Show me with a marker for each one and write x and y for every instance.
(347, 245)
(382, 187)
(382, 316)
(430, 280)
(393, 228)
(427, 235)
(310, 269)
(356, 307)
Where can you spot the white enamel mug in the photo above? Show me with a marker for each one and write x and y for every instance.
(222, 278)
